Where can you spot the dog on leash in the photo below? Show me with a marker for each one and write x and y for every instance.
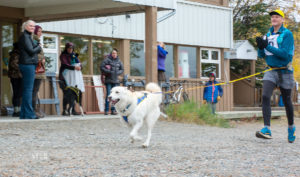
(72, 95)
(135, 108)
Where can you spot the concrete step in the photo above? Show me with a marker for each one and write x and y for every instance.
(256, 108)
(248, 114)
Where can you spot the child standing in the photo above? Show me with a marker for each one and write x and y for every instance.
(212, 92)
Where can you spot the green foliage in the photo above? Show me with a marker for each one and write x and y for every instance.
(252, 21)
(48, 62)
(101, 49)
(192, 112)
(241, 67)
(135, 48)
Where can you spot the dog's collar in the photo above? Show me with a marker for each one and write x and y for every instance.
(127, 107)
(125, 118)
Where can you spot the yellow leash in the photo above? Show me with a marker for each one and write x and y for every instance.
(224, 83)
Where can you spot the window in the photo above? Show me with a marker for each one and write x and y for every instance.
(137, 59)
(204, 55)
(81, 47)
(9, 36)
(8, 33)
(210, 62)
(187, 62)
(169, 63)
(101, 48)
(50, 48)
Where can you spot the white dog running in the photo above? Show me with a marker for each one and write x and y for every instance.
(137, 107)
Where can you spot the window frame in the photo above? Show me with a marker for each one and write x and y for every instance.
(210, 60)
(96, 40)
(178, 50)
(52, 51)
(137, 41)
(85, 39)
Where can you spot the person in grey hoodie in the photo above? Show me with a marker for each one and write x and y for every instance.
(112, 68)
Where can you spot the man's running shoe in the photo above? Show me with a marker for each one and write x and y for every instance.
(292, 134)
(264, 133)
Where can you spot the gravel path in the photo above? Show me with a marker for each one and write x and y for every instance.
(102, 148)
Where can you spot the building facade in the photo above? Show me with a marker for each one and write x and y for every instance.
(197, 33)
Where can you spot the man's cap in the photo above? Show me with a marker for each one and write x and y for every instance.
(277, 12)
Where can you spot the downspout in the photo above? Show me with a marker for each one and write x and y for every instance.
(231, 47)
(166, 16)
(231, 29)
(163, 17)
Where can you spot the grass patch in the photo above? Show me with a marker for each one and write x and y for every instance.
(192, 112)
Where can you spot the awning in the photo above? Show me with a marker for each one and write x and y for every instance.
(49, 10)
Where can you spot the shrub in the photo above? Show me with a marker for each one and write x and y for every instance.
(192, 112)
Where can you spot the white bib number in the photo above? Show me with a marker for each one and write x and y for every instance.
(272, 40)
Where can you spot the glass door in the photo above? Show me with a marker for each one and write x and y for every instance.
(8, 37)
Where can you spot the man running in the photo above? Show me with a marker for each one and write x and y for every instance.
(277, 47)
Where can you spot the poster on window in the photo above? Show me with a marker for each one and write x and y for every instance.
(184, 65)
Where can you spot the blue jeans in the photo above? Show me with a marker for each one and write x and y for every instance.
(109, 86)
(213, 107)
(28, 74)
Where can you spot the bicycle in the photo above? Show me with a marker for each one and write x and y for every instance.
(169, 97)
(174, 97)
(132, 83)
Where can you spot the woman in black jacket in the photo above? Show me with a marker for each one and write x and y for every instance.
(27, 62)
(111, 67)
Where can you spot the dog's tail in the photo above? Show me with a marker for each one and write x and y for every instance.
(155, 89)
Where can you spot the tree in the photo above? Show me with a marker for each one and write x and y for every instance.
(251, 19)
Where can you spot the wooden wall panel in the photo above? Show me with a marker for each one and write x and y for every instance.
(89, 100)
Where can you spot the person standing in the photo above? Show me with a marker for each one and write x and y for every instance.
(111, 67)
(161, 58)
(68, 59)
(27, 63)
(38, 76)
(212, 93)
(15, 76)
(277, 47)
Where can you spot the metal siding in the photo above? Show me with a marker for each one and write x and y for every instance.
(193, 24)
(160, 3)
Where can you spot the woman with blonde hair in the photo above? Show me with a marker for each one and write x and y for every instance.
(27, 63)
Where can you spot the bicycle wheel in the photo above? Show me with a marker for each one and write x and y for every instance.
(185, 97)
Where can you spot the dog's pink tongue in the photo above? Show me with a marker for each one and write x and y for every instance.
(113, 102)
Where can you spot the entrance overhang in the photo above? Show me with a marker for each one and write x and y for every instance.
(51, 10)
